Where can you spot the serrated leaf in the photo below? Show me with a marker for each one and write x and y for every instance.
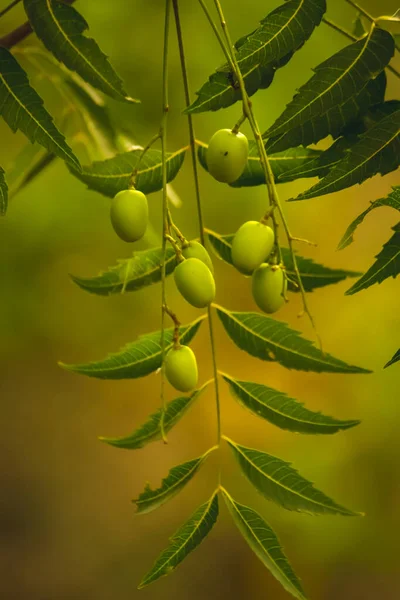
(3, 192)
(278, 481)
(131, 274)
(336, 80)
(60, 28)
(22, 108)
(185, 540)
(150, 431)
(281, 410)
(113, 175)
(393, 360)
(313, 275)
(264, 543)
(333, 121)
(138, 358)
(392, 200)
(282, 164)
(377, 151)
(272, 340)
(387, 264)
(171, 485)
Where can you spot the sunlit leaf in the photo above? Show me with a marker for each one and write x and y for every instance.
(313, 275)
(171, 485)
(265, 544)
(393, 360)
(272, 340)
(22, 109)
(60, 28)
(281, 410)
(278, 481)
(185, 540)
(387, 264)
(113, 175)
(138, 358)
(3, 193)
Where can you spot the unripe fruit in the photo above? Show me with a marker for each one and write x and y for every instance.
(269, 286)
(197, 250)
(227, 155)
(129, 215)
(251, 246)
(195, 282)
(181, 368)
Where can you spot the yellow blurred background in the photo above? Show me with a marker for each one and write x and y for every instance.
(67, 524)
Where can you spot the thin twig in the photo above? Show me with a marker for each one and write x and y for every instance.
(9, 7)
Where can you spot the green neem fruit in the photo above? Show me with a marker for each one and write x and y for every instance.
(269, 288)
(197, 250)
(227, 155)
(129, 215)
(195, 282)
(251, 246)
(181, 368)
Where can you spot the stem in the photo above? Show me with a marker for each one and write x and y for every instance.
(361, 10)
(9, 7)
(192, 139)
(132, 180)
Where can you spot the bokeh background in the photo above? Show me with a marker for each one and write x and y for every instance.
(68, 529)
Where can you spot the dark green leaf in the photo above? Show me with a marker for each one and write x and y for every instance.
(150, 431)
(278, 481)
(113, 175)
(60, 28)
(282, 164)
(393, 360)
(171, 485)
(3, 193)
(393, 200)
(131, 274)
(387, 264)
(186, 539)
(324, 163)
(272, 340)
(136, 359)
(264, 543)
(281, 410)
(336, 80)
(22, 108)
(313, 275)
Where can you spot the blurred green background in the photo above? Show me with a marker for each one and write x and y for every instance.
(68, 529)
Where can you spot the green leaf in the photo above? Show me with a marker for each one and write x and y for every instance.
(131, 274)
(264, 543)
(282, 164)
(336, 80)
(113, 175)
(393, 201)
(3, 193)
(272, 340)
(171, 485)
(22, 108)
(185, 540)
(150, 431)
(278, 481)
(334, 120)
(313, 275)
(281, 410)
(377, 151)
(387, 264)
(60, 28)
(138, 358)
(393, 360)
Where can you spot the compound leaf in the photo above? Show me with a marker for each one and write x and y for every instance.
(22, 108)
(171, 485)
(281, 410)
(264, 543)
(113, 175)
(387, 264)
(3, 193)
(278, 481)
(60, 28)
(138, 358)
(393, 360)
(185, 540)
(272, 340)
